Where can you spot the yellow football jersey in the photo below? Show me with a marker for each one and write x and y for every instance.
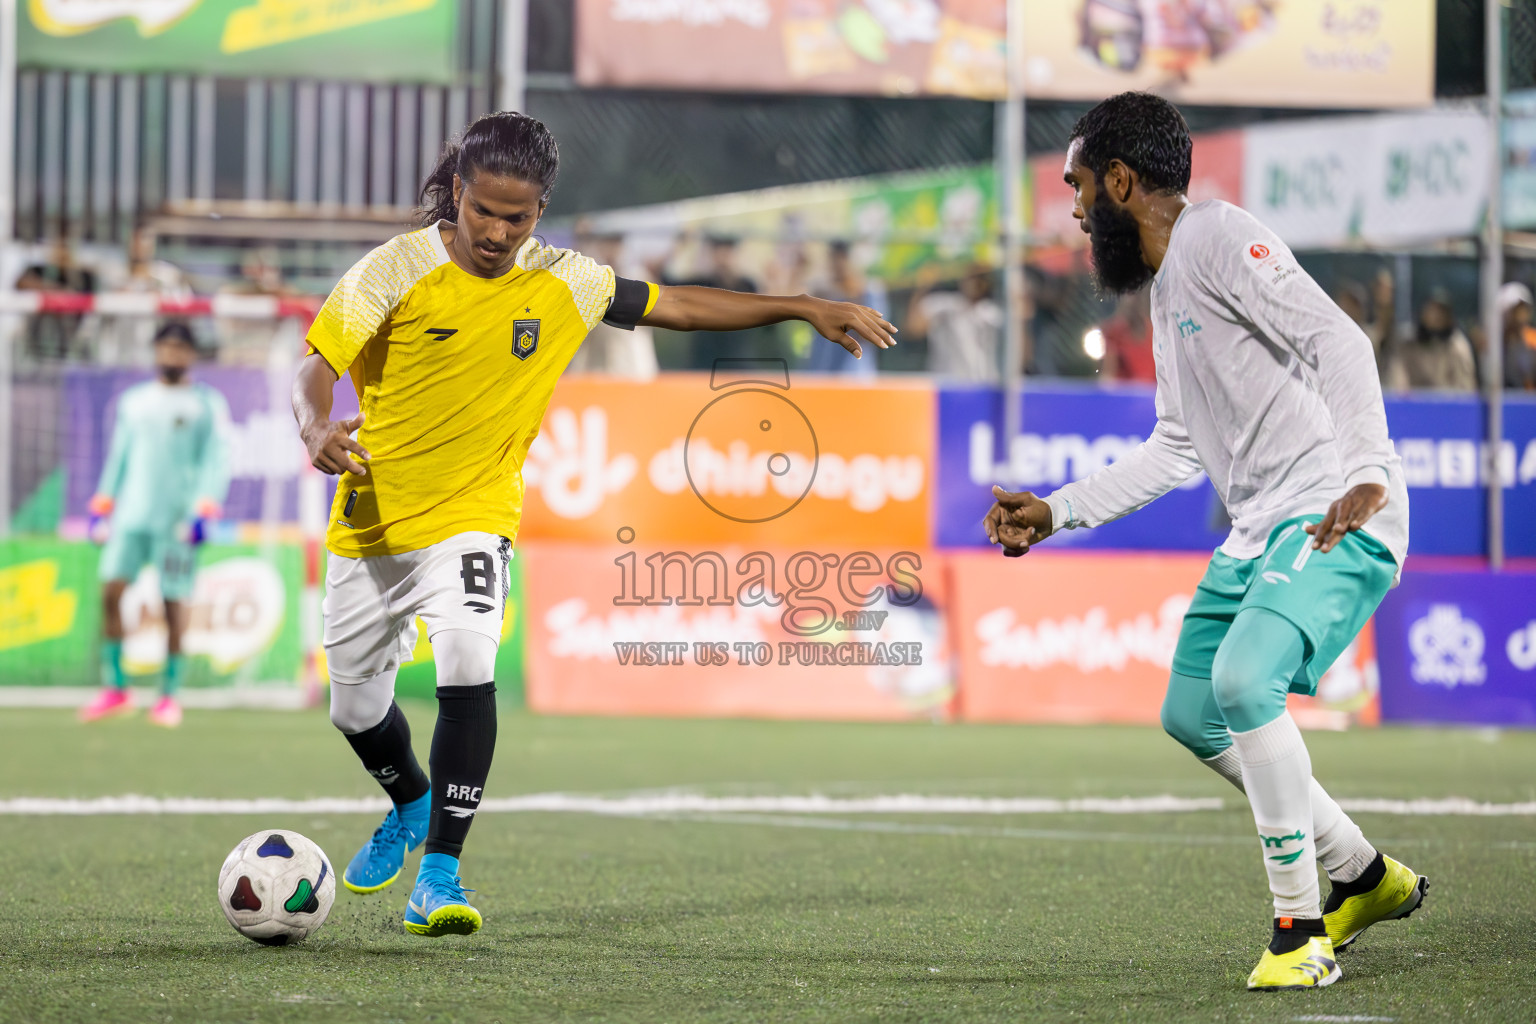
(453, 373)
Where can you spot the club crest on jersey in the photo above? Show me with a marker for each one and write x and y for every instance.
(525, 338)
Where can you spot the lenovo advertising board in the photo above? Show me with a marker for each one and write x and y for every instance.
(1070, 432)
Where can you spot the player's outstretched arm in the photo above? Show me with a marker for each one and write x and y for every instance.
(329, 441)
(1016, 521)
(695, 308)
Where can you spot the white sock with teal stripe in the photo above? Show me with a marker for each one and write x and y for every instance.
(1277, 776)
(1342, 848)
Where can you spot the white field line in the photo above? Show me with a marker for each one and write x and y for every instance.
(274, 696)
(907, 828)
(691, 803)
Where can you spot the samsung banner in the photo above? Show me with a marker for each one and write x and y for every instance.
(1072, 432)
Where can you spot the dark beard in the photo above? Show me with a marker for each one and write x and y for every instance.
(171, 374)
(1115, 244)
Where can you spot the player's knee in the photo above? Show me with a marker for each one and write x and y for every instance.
(358, 707)
(341, 715)
(463, 657)
(1246, 687)
(1180, 723)
(346, 713)
(1185, 724)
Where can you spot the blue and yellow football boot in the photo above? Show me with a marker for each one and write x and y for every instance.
(438, 906)
(1387, 891)
(1299, 956)
(378, 863)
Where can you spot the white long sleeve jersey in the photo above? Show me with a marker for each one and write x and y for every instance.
(1262, 382)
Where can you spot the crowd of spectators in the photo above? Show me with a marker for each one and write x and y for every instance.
(952, 320)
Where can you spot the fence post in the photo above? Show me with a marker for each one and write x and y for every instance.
(8, 156)
(512, 90)
(1493, 278)
(1009, 141)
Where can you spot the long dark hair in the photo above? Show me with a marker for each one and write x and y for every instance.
(507, 144)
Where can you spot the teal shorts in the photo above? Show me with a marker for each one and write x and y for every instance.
(1328, 597)
(128, 551)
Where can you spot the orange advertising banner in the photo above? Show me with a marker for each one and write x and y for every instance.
(1348, 694)
(743, 456)
(1084, 637)
(880, 47)
(817, 633)
(1079, 637)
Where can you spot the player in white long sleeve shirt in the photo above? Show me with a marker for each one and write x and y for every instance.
(1270, 389)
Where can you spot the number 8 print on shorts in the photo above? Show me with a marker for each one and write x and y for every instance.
(479, 576)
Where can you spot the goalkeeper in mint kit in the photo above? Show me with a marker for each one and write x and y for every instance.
(166, 473)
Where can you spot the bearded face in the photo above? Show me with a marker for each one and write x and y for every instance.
(1115, 245)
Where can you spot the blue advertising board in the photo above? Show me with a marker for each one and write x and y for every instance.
(1459, 647)
(1069, 432)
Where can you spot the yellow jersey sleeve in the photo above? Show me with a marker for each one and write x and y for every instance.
(590, 283)
(360, 305)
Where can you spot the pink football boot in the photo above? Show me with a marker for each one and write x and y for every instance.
(108, 702)
(166, 712)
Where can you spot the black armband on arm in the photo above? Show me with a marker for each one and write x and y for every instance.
(631, 301)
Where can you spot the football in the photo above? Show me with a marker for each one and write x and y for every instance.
(276, 887)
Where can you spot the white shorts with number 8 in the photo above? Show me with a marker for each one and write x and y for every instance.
(371, 604)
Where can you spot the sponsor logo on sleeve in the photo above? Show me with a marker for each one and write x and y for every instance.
(1273, 268)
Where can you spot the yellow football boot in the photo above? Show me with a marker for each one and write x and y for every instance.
(1307, 960)
(1387, 891)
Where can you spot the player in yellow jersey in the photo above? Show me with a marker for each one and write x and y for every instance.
(454, 336)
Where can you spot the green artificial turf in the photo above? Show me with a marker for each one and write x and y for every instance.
(752, 917)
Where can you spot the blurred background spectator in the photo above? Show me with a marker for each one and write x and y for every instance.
(126, 339)
(1519, 337)
(1128, 340)
(1437, 354)
(243, 341)
(843, 282)
(719, 270)
(964, 326)
(1372, 309)
(55, 335)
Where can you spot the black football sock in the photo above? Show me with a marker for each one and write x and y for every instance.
(1291, 933)
(386, 752)
(462, 748)
(1368, 880)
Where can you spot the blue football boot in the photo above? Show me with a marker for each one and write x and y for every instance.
(438, 906)
(378, 863)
